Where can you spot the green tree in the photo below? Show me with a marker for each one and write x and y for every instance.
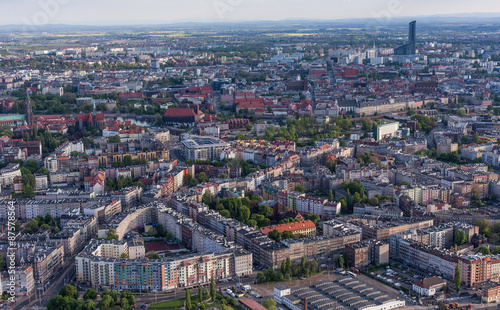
(484, 250)
(153, 255)
(484, 224)
(461, 112)
(261, 277)
(128, 296)
(88, 305)
(270, 304)
(106, 302)
(124, 303)
(114, 295)
(124, 255)
(70, 291)
(286, 235)
(496, 250)
(373, 201)
(457, 280)
(266, 210)
(202, 177)
(200, 294)
(275, 235)
(330, 196)
(114, 139)
(212, 288)
(31, 165)
(188, 299)
(460, 237)
(300, 188)
(313, 217)
(356, 198)
(339, 261)
(90, 294)
(112, 235)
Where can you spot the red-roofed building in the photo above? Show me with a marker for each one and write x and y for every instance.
(250, 304)
(307, 228)
(130, 96)
(235, 123)
(96, 120)
(183, 116)
(95, 184)
(249, 103)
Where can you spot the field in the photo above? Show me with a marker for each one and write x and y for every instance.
(169, 305)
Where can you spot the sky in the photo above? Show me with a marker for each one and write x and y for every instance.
(128, 12)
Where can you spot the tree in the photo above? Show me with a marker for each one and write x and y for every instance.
(356, 198)
(124, 255)
(348, 198)
(457, 280)
(484, 250)
(32, 165)
(88, 305)
(124, 303)
(112, 235)
(152, 231)
(69, 291)
(266, 210)
(249, 127)
(286, 235)
(373, 201)
(261, 277)
(461, 112)
(200, 294)
(275, 235)
(339, 261)
(460, 237)
(300, 188)
(330, 196)
(496, 250)
(270, 304)
(313, 217)
(153, 255)
(114, 295)
(114, 139)
(202, 177)
(484, 224)
(90, 294)
(128, 296)
(106, 302)
(188, 299)
(212, 289)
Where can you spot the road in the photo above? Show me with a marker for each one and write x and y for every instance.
(60, 279)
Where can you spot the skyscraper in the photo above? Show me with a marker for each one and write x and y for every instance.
(29, 112)
(411, 47)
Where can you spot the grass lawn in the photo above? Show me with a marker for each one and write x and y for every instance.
(169, 305)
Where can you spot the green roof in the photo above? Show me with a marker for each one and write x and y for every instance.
(12, 117)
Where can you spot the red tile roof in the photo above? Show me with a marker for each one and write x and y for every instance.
(179, 112)
(297, 226)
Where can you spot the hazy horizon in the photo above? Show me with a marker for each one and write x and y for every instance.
(126, 12)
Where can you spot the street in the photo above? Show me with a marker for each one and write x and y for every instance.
(59, 280)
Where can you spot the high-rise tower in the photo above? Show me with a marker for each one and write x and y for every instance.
(411, 47)
(412, 37)
(29, 112)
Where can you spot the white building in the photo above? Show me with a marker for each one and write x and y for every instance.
(428, 286)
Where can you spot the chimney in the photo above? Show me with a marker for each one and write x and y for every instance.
(305, 303)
